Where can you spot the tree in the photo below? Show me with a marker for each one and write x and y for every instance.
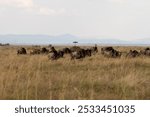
(75, 42)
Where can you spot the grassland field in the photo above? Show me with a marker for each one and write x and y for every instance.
(24, 77)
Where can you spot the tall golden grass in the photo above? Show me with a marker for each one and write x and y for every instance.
(36, 77)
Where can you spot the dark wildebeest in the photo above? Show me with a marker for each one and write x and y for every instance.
(44, 51)
(22, 51)
(52, 49)
(66, 50)
(110, 52)
(88, 52)
(106, 49)
(133, 54)
(145, 52)
(76, 52)
(60, 53)
(53, 55)
(80, 53)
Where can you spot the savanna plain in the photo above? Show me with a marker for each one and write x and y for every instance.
(24, 77)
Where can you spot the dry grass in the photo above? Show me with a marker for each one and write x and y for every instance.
(96, 77)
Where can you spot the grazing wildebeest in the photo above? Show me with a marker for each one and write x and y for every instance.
(133, 54)
(146, 52)
(21, 51)
(110, 52)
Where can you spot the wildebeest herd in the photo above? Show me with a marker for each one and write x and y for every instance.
(111, 52)
(77, 52)
(5, 44)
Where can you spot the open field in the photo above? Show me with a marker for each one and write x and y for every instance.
(96, 77)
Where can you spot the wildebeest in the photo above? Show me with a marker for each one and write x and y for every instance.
(146, 52)
(81, 53)
(66, 50)
(44, 50)
(105, 49)
(110, 52)
(52, 49)
(39, 51)
(21, 51)
(133, 54)
(60, 53)
(54, 55)
(78, 52)
(88, 52)
(6, 44)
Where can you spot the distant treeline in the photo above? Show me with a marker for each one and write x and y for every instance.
(5, 44)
